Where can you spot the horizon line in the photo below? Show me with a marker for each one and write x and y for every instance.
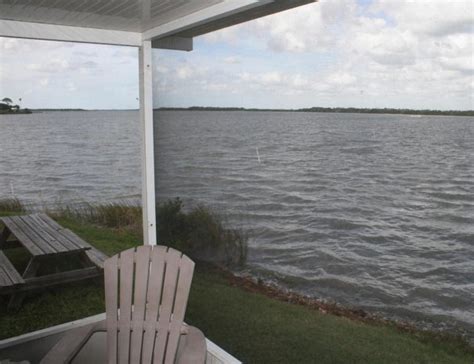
(250, 108)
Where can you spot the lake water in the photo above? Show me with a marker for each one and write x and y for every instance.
(373, 211)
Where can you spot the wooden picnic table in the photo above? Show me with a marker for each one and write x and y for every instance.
(45, 240)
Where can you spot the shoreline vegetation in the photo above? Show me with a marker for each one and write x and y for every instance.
(18, 112)
(254, 321)
(354, 110)
(8, 107)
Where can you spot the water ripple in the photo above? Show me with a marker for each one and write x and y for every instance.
(375, 211)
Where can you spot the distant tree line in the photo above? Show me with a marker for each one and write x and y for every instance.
(389, 111)
(66, 109)
(335, 110)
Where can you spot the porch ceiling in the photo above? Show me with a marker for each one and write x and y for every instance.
(135, 20)
(126, 15)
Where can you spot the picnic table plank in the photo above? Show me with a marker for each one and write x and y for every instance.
(66, 237)
(65, 233)
(95, 256)
(9, 276)
(46, 234)
(56, 230)
(34, 235)
(41, 282)
(4, 235)
(42, 238)
(24, 238)
(67, 244)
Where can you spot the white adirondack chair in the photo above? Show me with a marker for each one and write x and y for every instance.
(146, 293)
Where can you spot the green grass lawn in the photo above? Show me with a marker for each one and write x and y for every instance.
(252, 327)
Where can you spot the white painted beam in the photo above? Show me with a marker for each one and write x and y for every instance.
(64, 33)
(148, 159)
(215, 12)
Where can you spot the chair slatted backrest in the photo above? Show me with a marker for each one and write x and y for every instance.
(146, 293)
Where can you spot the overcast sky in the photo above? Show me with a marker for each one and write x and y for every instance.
(369, 53)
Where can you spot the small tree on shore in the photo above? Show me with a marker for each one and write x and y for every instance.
(7, 104)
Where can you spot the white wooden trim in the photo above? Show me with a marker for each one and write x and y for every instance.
(214, 351)
(50, 331)
(148, 151)
(65, 33)
(220, 354)
(220, 10)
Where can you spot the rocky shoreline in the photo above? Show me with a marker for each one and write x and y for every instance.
(255, 285)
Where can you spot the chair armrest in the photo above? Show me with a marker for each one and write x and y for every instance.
(71, 343)
(192, 347)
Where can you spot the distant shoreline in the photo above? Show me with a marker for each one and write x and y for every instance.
(352, 110)
(18, 112)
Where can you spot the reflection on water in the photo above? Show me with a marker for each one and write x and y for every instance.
(370, 210)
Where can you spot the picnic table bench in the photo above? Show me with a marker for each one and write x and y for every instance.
(45, 240)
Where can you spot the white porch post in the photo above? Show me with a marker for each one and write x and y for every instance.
(148, 159)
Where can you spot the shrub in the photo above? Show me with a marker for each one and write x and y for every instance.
(200, 233)
(120, 215)
(11, 205)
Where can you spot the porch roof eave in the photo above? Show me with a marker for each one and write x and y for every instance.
(174, 33)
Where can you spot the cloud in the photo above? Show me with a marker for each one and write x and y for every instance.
(54, 69)
(53, 65)
(428, 17)
(397, 51)
(331, 53)
(184, 72)
(71, 86)
(232, 60)
(61, 64)
(297, 30)
(9, 44)
(341, 78)
(88, 54)
(230, 35)
(463, 64)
